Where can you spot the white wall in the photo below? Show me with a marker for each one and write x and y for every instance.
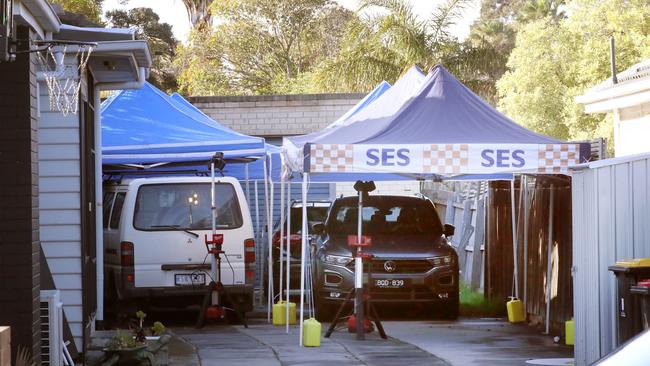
(60, 200)
(611, 222)
(633, 130)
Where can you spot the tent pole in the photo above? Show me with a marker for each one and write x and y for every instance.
(288, 267)
(269, 290)
(549, 262)
(269, 229)
(524, 185)
(305, 177)
(282, 233)
(514, 238)
(258, 240)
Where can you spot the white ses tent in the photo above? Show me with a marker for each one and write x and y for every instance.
(443, 130)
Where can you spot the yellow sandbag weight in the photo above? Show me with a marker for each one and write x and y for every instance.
(311, 333)
(515, 310)
(280, 313)
(568, 332)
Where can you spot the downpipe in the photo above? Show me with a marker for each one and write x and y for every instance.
(99, 211)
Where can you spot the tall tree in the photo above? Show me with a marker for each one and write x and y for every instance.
(91, 9)
(199, 13)
(158, 35)
(263, 46)
(556, 60)
(493, 34)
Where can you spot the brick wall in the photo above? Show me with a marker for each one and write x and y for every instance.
(277, 115)
(19, 233)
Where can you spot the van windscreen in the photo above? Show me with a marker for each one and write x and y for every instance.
(182, 206)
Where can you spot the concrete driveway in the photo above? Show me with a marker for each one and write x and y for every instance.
(420, 342)
(478, 341)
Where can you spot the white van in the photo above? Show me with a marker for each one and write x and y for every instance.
(154, 241)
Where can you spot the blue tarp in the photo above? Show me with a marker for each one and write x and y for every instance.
(147, 127)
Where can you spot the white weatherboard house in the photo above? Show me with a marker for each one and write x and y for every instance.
(70, 171)
(629, 101)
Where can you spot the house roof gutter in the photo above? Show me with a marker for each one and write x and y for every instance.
(598, 101)
(44, 14)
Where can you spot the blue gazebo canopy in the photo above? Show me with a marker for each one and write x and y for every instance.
(146, 127)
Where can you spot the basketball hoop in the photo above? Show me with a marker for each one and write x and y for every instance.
(63, 81)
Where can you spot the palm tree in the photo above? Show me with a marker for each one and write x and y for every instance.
(385, 44)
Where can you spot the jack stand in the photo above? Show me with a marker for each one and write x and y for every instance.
(214, 248)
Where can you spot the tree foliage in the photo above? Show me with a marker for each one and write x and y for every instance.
(385, 42)
(92, 9)
(556, 60)
(160, 38)
(261, 46)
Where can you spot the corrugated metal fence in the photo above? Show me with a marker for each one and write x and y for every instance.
(612, 222)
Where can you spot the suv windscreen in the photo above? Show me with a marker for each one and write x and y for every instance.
(182, 206)
(386, 216)
(314, 215)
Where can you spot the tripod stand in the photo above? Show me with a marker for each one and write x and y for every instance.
(361, 292)
(216, 287)
(367, 304)
(215, 250)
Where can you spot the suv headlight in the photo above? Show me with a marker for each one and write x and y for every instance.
(442, 261)
(336, 259)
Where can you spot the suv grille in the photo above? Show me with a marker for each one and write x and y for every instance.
(404, 266)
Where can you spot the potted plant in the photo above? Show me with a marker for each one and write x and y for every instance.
(124, 349)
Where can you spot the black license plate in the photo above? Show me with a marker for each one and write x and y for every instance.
(390, 283)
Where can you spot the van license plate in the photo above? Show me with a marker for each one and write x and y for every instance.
(190, 279)
(389, 283)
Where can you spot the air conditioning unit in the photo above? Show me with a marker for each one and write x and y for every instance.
(51, 328)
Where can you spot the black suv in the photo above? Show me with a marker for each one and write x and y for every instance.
(412, 261)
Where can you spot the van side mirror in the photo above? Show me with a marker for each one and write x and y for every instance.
(318, 228)
(449, 230)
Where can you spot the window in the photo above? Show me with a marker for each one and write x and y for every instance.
(314, 215)
(106, 207)
(117, 210)
(183, 206)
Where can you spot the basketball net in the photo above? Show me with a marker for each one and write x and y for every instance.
(63, 81)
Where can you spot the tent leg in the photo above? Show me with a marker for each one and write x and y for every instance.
(302, 252)
(269, 289)
(524, 185)
(282, 233)
(288, 266)
(515, 273)
(549, 262)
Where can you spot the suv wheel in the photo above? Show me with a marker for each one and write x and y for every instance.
(450, 307)
(324, 312)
